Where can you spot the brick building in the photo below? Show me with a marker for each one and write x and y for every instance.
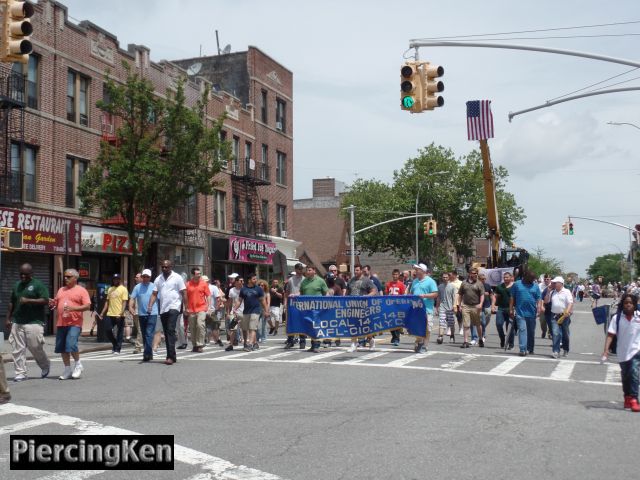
(243, 227)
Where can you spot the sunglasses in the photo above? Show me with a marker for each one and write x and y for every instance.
(165, 268)
(68, 276)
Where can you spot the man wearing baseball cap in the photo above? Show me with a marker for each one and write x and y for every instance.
(148, 318)
(424, 287)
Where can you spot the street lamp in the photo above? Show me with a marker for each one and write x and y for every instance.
(417, 199)
(624, 123)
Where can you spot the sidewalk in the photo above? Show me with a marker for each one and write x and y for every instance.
(86, 344)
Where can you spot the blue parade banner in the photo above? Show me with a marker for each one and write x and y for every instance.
(344, 317)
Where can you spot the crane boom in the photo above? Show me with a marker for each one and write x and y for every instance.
(492, 206)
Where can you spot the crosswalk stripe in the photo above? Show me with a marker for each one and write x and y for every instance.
(321, 356)
(243, 354)
(401, 362)
(613, 373)
(466, 358)
(506, 366)
(278, 355)
(364, 358)
(24, 425)
(72, 475)
(563, 370)
(216, 467)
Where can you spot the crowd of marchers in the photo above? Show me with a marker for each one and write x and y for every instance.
(172, 308)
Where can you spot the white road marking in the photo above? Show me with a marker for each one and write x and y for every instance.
(506, 366)
(315, 357)
(243, 354)
(402, 362)
(466, 358)
(563, 370)
(72, 475)
(23, 425)
(288, 353)
(364, 358)
(613, 373)
(214, 467)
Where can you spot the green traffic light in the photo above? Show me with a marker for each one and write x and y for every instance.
(430, 232)
(408, 102)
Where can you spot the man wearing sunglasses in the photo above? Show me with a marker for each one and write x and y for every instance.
(71, 300)
(25, 318)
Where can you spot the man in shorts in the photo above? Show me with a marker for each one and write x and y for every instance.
(70, 301)
(471, 299)
(254, 300)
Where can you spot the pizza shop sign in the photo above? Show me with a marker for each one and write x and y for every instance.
(105, 240)
(250, 250)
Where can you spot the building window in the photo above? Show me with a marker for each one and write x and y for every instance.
(75, 169)
(281, 119)
(77, 98)
(248, 151)
(263, 110)
(32, 71)
(264, 161)
(265, 217)
(236, 216)
(282, 220)
(223, 138)
(281, 168)
(23, 173)
(29, 173)
(220, 210)
(236, 154)
(191, 209)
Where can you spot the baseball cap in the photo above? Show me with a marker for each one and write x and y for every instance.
(421, 266)
(146, 272)
(558, 279)
(233, 275)
(298, 265)
(116, 275)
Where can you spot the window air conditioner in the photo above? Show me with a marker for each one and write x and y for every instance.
(278, 125)
(283, 234)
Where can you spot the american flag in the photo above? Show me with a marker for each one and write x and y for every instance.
(479, 120)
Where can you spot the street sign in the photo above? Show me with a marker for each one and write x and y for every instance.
(355, 252)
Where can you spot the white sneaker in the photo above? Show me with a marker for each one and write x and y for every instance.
(554, 355)
(372, 344)
(66, 375)
(353, 347)
(461, 332)
(19, 378)
(448, 334)
(473, 342)
(77, 371)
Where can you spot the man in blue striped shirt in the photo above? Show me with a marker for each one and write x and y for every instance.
(524, 306)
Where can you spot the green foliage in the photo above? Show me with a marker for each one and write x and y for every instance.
(455, 198)
(541, 264)
(164, 153)
(612, 267)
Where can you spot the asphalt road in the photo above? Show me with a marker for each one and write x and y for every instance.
(451, 413)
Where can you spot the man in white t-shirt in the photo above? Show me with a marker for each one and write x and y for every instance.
(626, 327)
(234, 314)
(561, 300)
(291, 289)
(170, 289)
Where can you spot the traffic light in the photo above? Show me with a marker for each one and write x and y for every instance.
(16, 45)
(565, 228)
(430, 228)
(431, 86)
(11, 239)
(570, 228)
(411, 87)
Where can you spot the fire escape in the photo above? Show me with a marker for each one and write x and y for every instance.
(12, 104)
(249, 218)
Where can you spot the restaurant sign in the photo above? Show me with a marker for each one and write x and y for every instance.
(107, 240)
(250, 250)
(43, 233)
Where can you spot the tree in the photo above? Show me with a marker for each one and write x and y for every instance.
(611, 267)
(541, 264)
(164, 153)
(455, 198)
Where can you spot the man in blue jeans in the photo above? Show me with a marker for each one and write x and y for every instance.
(147, 318)
(525, 304)
(560, 300)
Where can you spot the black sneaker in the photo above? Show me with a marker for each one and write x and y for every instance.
(337, 343)
(440, 340)
(229, 348)
(271, 330)
(302, 345)
(182, 347)
(480, 342)
(418, 347)
(288, 346)
(256, 346)
(501, 343)
(220, 343)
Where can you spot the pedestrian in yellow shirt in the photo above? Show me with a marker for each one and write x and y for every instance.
(114, 307)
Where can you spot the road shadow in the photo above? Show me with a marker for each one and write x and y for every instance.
(606, 404)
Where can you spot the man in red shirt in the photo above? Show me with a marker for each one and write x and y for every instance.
(71, 300)
(198, 295)
(395, 287)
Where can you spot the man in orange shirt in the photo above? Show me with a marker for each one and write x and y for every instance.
(71, 300)
(198, 295)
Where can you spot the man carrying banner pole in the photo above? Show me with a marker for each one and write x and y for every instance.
(425, 287)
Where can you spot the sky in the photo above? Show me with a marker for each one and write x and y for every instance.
(346, 55)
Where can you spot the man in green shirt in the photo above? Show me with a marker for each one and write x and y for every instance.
(26, 317)
(313, 285)
(500, 307)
